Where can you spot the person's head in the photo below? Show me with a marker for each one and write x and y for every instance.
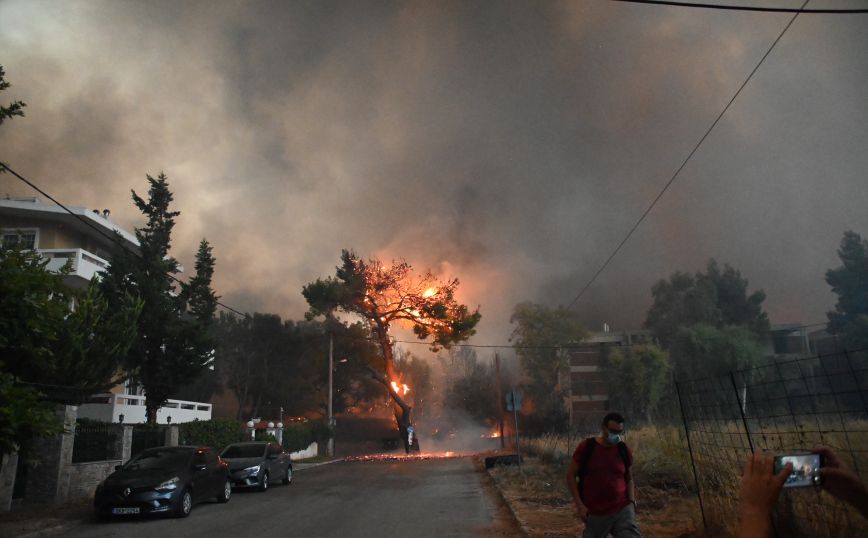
(613, 428)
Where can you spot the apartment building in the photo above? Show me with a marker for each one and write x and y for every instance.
(588, 399)
(82, 237)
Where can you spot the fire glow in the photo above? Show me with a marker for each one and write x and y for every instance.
(403, 389)
(405, 457)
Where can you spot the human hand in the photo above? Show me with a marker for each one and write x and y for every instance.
(583, 512)
(760, 487)
(841, 482)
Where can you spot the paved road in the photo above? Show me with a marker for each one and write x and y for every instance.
(348, 499)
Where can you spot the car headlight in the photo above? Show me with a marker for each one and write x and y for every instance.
(169, 484)
(252, 470)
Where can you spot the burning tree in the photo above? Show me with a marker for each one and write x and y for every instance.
(385, 295)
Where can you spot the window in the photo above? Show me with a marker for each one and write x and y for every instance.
(20, 239)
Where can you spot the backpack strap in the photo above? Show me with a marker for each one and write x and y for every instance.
(584, 459)
(622, 450)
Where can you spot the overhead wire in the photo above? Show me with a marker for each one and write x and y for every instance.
(683, 164)
(109, 236)
(735, 7)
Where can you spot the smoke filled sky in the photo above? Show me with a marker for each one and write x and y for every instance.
(510, 144)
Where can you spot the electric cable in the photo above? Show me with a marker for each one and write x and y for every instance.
(732, 7)
(683, 164)
(110, 237)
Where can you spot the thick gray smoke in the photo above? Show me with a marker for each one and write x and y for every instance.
(511, 144)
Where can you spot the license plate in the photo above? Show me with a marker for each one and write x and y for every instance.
(125, 510)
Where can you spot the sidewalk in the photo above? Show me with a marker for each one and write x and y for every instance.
(36, 521)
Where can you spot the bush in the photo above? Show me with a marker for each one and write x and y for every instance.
(216, 433)
(299, 436)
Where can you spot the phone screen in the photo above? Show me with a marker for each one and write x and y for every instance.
(806, 469)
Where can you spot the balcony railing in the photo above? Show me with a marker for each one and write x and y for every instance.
(84, 264)
(109, 407)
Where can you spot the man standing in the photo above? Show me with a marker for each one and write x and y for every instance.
(602, 486)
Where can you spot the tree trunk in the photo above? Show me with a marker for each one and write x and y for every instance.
(402, 410)
(151, 409)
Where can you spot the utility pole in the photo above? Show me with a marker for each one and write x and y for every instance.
(499, 399)
(331, 444)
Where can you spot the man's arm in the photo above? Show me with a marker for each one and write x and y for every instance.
(631, 486)
(572, 473)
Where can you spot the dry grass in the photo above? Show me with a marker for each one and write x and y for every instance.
(538, 494)
(666, 487)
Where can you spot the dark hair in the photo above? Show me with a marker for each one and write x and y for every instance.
(614, 417)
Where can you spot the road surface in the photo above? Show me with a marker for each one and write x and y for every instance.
(406, 499)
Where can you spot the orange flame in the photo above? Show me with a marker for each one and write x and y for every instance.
(429, 292)
(398, 388)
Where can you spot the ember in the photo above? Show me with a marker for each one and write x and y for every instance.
(403, 457)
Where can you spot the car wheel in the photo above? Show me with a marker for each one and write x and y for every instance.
(224, 495)
(185, 504)
(287, 478)
(263, 483)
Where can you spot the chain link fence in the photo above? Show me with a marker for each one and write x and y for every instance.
(785, 406)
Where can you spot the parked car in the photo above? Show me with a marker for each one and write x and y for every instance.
(257, 464)
(164, 480)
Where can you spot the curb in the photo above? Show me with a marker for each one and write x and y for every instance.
(303, 466)
(524, 530)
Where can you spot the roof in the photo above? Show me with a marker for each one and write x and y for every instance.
(33, 207)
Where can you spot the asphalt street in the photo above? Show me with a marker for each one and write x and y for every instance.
(438, 497)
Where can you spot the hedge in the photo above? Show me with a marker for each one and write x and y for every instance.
(216, 433)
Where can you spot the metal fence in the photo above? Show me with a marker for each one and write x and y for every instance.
(145, 437)
(96, 442)
(784, 406)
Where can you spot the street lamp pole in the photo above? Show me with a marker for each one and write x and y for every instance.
(331, 443)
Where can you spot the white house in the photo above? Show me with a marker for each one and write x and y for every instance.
(60, 236)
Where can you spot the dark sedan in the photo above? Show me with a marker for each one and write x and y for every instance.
(256, 465)
(164, 480)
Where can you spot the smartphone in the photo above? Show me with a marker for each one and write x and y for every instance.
(806, 469)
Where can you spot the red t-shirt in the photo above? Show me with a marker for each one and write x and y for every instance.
(604, 490)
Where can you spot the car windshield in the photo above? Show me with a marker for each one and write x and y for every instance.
(244, 451)
(160, 459)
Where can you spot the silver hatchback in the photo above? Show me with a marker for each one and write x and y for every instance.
(257, 464)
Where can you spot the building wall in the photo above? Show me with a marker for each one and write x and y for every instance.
(57, 235)
(589, 399)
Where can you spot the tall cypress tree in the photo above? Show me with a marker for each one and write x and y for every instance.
(174, 342)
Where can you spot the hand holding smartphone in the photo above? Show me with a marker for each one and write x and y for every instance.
(806, 469)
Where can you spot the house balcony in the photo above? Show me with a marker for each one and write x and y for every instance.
(109, 408)
(84, 264)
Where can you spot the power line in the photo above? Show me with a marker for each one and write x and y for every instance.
(99, 230)
(683, 164)
(573, 345)
(732, 7)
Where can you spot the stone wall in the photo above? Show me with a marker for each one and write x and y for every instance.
(84, 477)
(46, 480)
(8, 467)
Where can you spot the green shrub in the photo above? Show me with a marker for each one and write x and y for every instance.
(262, 435)
(299, 436)
(216, 433)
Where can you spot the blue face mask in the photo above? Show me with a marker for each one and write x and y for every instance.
(614, 438)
